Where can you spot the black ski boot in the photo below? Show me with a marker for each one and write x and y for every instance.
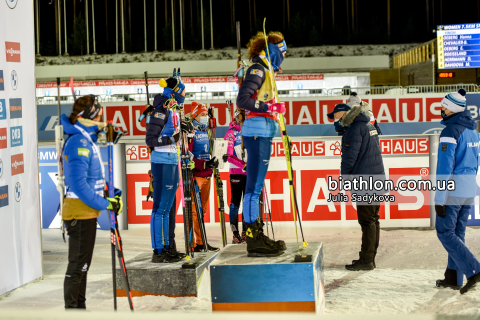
(450, 280)
(237, 239)
(471, 282)
(199, 248)
(374, 265)
(210, 248)
(257, 244)
(172, 256)
(158, 257)
(279, 243)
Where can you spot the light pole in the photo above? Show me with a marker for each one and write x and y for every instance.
(211, 25)
(65, 18)
(93, 22)
(173, 28)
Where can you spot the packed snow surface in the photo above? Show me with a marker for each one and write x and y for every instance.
(408, 263)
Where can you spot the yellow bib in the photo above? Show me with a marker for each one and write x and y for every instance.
(266, 92)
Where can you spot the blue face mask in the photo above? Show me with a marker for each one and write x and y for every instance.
(276, 56)
(204, 121)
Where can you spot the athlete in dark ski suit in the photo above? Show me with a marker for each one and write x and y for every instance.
(162, 138)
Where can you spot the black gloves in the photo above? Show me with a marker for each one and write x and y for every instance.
(186, 127)
(212, 163)
(440, 210)
(169, 140)
(225, 157)
(176, 137)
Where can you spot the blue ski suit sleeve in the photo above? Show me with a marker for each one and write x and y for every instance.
(155, 128)
(457, 158)
(83, 174)
(252, 82)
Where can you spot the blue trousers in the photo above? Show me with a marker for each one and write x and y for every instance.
(258, 150)
(451, 233)
(165, 183)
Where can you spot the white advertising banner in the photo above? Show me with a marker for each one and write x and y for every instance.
(20, 238)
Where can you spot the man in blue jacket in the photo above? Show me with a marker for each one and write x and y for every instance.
(362, 158)
(457, 161)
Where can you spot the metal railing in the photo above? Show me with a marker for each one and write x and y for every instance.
(321, 92)
(421, 53)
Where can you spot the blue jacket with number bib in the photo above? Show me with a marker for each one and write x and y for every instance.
(83, 172)
(458, 157)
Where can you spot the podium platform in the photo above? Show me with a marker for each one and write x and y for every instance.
(241, 283)
(164, 279)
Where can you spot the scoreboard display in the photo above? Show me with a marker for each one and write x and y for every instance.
(458, 46)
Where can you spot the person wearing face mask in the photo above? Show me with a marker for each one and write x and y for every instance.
(161, 138)
(458, 161)
(238, 176)
(257, 97)
(85, 194)
(199, 145)
(337, 114)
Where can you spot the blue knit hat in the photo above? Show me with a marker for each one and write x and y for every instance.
(455, 102)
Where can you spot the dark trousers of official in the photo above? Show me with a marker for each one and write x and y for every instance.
(368, 219)
(81, 241)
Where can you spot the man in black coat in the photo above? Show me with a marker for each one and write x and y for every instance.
(362, 158)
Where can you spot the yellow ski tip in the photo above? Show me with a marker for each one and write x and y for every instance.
(188, 257)
(305, 244)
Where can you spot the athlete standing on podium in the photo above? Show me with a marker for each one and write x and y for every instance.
(257, 97)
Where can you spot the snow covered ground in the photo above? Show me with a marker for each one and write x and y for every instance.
(226, 54)
(408, 263)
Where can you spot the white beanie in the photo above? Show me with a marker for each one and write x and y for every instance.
(353, 100)
(455, 102)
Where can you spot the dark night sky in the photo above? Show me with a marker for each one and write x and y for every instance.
(408, 22)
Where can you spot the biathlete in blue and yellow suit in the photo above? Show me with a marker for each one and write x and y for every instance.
(85, 194)
(257, 97)
(162, 137)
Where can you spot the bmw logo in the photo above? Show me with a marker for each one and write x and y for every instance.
(11, 3)
(18, 191)
(14, 79)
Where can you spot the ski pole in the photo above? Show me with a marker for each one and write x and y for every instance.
(59, 145)
(112, 213)
(269, 212)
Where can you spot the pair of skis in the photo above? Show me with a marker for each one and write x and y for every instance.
(217, 179)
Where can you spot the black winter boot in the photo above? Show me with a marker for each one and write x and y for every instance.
(374, 265)
(471, 282)
(258, 244)
(360, 264)
(450, 280)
